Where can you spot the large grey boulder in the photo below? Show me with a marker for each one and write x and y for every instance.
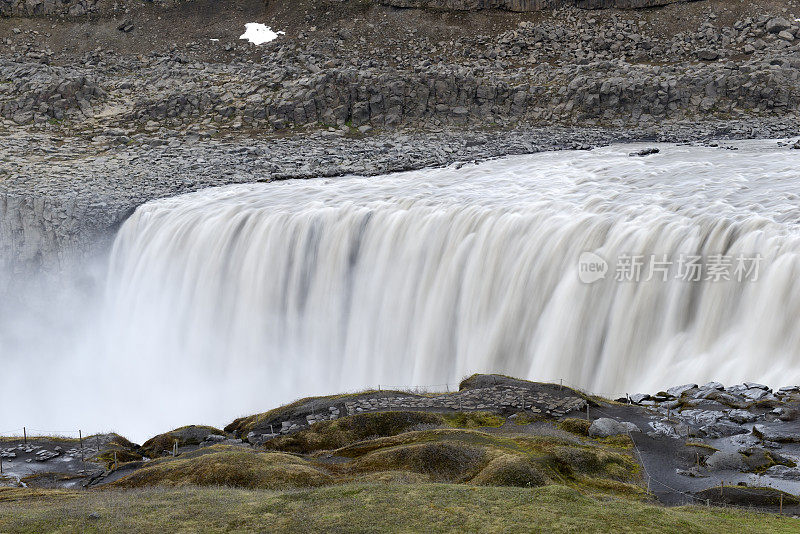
(722, 429)
(726, 460)
(768, 433)
(741, 416)
(777, 25)
(605, 427)
(677, 391)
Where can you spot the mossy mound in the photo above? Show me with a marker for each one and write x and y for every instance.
(595, 462)
(473, 420)
(511, 470)
(119, 450)
(330, 435)
(441, 461)
(462, 455)
(747, 496)
(574, 425)
(185, 436)
(228, 467)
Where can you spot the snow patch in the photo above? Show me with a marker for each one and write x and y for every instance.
(258, 33)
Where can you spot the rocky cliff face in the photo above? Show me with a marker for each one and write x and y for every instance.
(523, 5)
(33, 8)
(77, 8)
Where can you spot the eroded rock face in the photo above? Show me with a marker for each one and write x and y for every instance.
(33, 8)
(523, 5)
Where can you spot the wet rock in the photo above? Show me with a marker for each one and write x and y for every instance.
(45, 455)
(677, 391)
(693, 472)
(785, 413)
(783, 471)
(741, 416)
(645, 152)
(702, 417)
(662, 429)
(755, 394)
(723, 429)
(778, 435)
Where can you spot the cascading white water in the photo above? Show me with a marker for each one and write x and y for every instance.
(232, 300)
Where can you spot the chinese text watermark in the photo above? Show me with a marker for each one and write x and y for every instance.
(663, 267)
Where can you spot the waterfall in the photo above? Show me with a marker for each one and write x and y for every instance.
(424, 277)
(232, 300)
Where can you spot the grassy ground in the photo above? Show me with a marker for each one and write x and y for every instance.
(363, 508)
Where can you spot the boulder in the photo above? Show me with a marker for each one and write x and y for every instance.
(723, 429)
(741, 416)
(726, 460)
(777, 25)
(605, 427)
(677, 391)
(706, 54)
(755, 394)
(778, 435)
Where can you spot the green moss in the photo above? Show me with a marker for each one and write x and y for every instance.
(185, 435)
(511, 470)
(701, 445)
(118, 450)
(528, 418)
(596, 462)
(430, 508)
(473, 419)
(441, 461)
(574, 425)
(235, 468)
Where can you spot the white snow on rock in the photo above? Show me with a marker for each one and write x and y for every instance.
(258, 33)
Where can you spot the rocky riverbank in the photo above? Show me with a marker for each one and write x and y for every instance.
(62, 198)
(688, 445)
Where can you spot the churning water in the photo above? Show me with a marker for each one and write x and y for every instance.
(234, 299)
